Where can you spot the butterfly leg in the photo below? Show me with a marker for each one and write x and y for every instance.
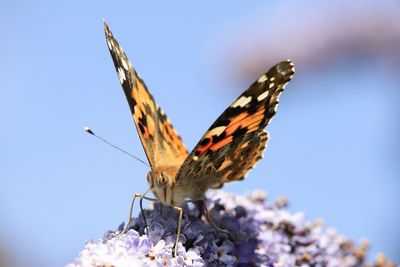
(142, 211)
(178, 234)
(212, 223)
(131, 210)
(144, 217)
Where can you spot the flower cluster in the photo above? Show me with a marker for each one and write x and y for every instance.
(260, 234)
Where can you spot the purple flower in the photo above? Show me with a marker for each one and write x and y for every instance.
(260, 234)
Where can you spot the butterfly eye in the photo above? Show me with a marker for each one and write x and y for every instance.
(162, 181)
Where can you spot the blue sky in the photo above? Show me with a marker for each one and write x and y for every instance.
(334, 142)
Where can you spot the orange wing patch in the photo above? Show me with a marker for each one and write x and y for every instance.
(221, 143)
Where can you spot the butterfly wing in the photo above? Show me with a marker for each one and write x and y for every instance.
(160, 141)
(236, 140)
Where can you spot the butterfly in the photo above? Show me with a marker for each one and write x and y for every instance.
(225, 153)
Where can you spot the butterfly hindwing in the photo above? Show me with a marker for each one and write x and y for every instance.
(160, 141)
(235, 141)
(247, 152)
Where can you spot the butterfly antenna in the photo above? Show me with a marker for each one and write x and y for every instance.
(90, 131)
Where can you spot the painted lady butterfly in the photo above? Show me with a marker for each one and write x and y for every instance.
(225, 153)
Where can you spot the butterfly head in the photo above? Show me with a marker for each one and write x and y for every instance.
(161, 183)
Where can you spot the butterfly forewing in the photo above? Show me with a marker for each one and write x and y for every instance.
(162, 144)
(235, 141)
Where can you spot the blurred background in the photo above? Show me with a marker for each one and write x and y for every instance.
(334, 146)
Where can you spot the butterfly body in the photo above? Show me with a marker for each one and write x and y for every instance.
(225, 153)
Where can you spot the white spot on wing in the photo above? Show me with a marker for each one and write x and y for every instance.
(276, 107)
(121, 75)
(124, 64)
(242, 101)
(109, 44)
(262, 96)
(262, 79)
(271, 85)
(217, 130)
